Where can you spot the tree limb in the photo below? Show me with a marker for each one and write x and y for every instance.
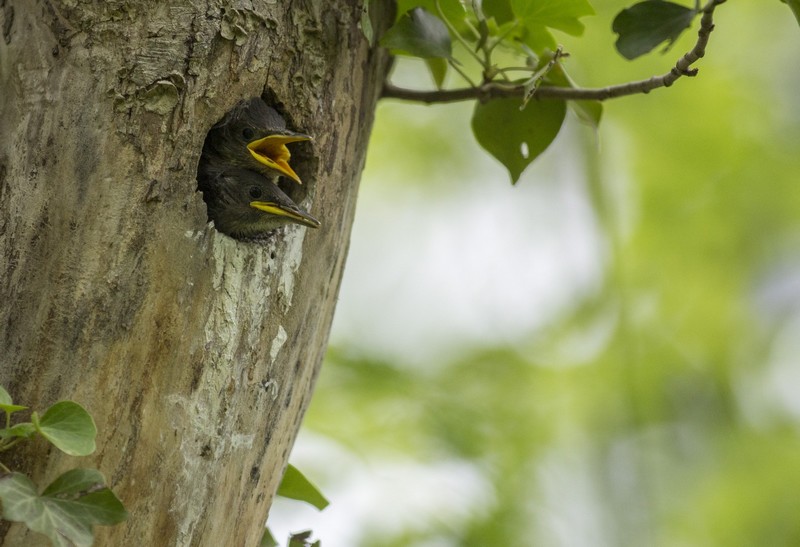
(497, 90)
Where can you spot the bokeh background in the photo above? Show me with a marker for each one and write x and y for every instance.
(607, 353)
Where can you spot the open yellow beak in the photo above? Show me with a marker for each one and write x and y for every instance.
(276, 209)
(272, 152)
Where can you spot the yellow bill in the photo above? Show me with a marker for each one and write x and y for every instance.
(276, 209)
(272, 152)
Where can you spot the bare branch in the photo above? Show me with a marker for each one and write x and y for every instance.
(497, 90)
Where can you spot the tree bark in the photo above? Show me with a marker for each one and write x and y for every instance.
(195, 353)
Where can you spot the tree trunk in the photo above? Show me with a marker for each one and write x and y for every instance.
(195, 353)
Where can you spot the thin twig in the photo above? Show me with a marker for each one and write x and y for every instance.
(496, 90)
(453, 63)
(455, 33)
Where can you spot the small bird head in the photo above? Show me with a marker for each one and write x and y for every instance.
(245, 204)
(253, 136)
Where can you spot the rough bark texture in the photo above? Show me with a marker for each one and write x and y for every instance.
(195, 353)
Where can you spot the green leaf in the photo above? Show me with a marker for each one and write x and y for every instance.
(438, 69)
(11, 409)
(7, 404)
(66, 512)
(302, 539)
(268, 540)
(558, 14)
(366, 23)
(499, 9)
(5, 398)
(69, 427)
(538, 38)
(296, 486)
(515, 137)
(26, 430)
(645, 25)
(588, 112)
(794, 5)
(453, 10)
(74, 481)
(419, 33)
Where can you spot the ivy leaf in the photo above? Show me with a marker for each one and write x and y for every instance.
(794, 5)
(7, 404)
(10, 409)
(419, 33)
(296, 486)
(25, 430)
(645, 25)
(515, 137)
(68, 508)
(5, 398)
(69, 427)
(558, 14)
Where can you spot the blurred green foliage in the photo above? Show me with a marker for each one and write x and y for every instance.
(671, 431)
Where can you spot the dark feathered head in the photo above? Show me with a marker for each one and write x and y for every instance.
(252, 136)
(245, 204)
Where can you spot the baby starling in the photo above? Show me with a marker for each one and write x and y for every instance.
(246, 205)
(251, 136)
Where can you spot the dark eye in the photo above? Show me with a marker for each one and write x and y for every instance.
(248, 133)
(255, 192)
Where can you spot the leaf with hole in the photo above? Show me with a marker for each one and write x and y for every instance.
(645, 25)
(296, 486)
(419, 33)
(67, 509)
(69, 427)
(517, 137)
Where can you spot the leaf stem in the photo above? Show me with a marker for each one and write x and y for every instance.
(461, 72)
(10, 444)
(455, 33)
(503, 36)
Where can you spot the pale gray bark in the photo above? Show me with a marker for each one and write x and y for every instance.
(195, 353)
